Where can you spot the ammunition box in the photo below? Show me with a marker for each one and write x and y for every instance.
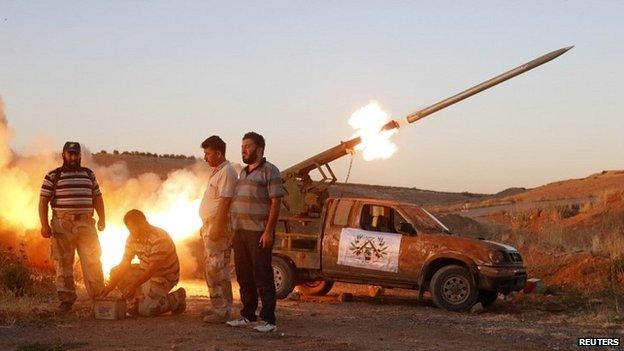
(109, 308)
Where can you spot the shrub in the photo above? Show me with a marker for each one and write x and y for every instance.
(19, 279)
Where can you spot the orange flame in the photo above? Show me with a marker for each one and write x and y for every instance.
(174, 209)
(171, 204)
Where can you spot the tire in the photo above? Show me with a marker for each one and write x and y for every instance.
(487, 298)
(283, 276)
(316, 288)
(453, 289)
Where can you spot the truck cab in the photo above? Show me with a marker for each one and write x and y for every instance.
(394, 245)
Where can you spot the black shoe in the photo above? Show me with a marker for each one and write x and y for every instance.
(65, 307)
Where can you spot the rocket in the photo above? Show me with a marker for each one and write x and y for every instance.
(301, 170)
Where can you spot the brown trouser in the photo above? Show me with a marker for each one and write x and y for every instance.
(69, 236)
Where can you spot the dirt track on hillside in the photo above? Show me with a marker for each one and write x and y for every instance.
(395, 321)
(525, 206)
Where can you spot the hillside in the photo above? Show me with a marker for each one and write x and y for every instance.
(138, 164)
(572, 191)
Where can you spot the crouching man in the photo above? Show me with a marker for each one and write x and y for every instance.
(146, 285)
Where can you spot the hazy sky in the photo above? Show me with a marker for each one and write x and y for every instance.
(162, 76)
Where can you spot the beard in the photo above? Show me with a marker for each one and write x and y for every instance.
(251, 159)
(72, 165)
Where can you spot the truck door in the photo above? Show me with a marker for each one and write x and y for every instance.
(338, 217)
(368, 244)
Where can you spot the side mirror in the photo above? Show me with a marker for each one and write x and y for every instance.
(407, 228)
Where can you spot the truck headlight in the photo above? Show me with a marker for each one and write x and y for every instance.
(497, 257)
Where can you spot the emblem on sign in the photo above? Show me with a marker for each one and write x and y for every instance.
(370, 250)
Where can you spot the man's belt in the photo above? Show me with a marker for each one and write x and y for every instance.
(68, 216)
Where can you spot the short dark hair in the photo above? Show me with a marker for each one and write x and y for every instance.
(256, 138)
(215, 143)
(134, 216)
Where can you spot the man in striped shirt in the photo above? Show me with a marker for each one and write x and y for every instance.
(73, 193)
(254, 212)
(146, 286)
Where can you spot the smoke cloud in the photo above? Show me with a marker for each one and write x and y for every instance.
(171, 203)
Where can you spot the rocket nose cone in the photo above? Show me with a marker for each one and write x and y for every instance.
(552, 55)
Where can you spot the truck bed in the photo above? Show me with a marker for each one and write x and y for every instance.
(302, 249)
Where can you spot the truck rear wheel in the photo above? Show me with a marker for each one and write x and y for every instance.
(316, 288)
(283, 276)
(452, 288)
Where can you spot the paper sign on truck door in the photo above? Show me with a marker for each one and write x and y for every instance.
(370, 250)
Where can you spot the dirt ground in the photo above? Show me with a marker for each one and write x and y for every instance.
(395, 321)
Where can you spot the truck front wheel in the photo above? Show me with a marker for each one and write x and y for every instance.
(452, 288)
(316, 288)
(283, 276)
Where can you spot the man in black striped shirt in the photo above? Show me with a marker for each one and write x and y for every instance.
(73, 193)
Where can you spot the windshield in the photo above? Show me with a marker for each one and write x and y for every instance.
(424, 221)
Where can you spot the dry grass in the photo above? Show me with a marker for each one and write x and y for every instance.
(24, 308)
(597, 226)
(610, 243)
(605, 312)
(25, 294)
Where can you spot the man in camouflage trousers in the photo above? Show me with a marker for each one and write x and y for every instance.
(215, 231)
(73, 193)
(146, 285)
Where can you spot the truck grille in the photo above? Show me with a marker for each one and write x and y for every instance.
(514, 257)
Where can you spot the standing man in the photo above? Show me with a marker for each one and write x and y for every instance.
(73, 193)
(215, 232)
(254, 211)
(146, 286)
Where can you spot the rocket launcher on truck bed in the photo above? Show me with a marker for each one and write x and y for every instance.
(306, 197)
